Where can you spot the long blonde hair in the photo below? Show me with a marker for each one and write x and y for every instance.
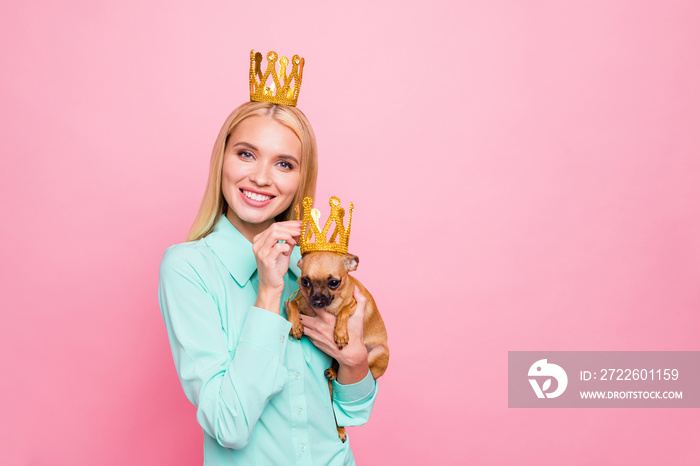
(214, 205)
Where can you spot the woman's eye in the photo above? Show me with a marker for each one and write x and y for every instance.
(286, 165)
(305, 282)
(333, 284)
(244, 154)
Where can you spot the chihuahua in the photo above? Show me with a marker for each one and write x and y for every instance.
(326, 284)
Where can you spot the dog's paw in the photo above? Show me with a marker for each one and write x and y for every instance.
(341, 337)
(342, 435)
(331, 373)
(297, 330)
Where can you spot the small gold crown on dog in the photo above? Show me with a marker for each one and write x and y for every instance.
(310, 219)
(275, 86)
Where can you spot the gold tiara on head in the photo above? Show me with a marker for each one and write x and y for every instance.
(279, 89)
(311, 217)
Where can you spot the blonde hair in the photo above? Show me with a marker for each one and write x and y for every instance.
(214, 205)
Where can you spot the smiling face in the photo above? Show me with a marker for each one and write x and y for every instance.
(261, 173)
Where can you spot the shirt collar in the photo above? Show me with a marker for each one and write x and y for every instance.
(236, 252)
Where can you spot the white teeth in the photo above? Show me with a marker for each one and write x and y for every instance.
(256, 197)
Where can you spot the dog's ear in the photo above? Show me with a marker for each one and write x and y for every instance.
(351, 262)
(300, 262)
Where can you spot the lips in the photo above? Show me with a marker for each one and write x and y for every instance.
(256, 198)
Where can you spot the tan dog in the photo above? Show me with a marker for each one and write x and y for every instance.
(326, 284)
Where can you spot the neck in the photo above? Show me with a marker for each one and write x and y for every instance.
(248, 230)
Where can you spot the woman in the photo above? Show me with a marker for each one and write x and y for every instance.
(261, 395)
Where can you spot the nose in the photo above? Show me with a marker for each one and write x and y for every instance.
(319, 301)
(260, 175)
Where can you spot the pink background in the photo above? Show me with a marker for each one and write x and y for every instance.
(525, 176)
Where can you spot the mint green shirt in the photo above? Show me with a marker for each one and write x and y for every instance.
(261, 395)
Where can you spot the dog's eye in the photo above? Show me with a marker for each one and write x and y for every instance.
(305, 282)
(333, 284)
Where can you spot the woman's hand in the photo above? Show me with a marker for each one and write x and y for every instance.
(273, 248)
(352, 359)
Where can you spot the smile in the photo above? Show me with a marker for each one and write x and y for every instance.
(256, 196)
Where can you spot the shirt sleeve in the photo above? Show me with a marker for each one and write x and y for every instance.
(229, 388)
(353, 402)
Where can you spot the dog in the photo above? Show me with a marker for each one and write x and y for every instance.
(326, 284)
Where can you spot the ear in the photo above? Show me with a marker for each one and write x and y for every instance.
(300, 262)
(351, 262)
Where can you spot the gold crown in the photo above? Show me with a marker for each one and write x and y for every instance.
(280, 90)
(320, 243)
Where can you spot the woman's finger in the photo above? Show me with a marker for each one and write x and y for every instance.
(265, 242)
(272, 249)
(317, 324)
(325, 316)
(322, 340)
(356, 321)
(272, 243)
(359, 297)
(280, 230)
(282, 248)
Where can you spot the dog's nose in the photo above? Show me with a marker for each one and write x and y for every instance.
(319, 301)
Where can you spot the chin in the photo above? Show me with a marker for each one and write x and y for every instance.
(256, 216)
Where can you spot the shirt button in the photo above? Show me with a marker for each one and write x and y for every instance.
(300, 411)
(282, 339)
(297, 375)
(291, 338)
(302, 446)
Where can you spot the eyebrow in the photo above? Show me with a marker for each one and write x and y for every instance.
(250, 146)
(243, 143)
(288, 157)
